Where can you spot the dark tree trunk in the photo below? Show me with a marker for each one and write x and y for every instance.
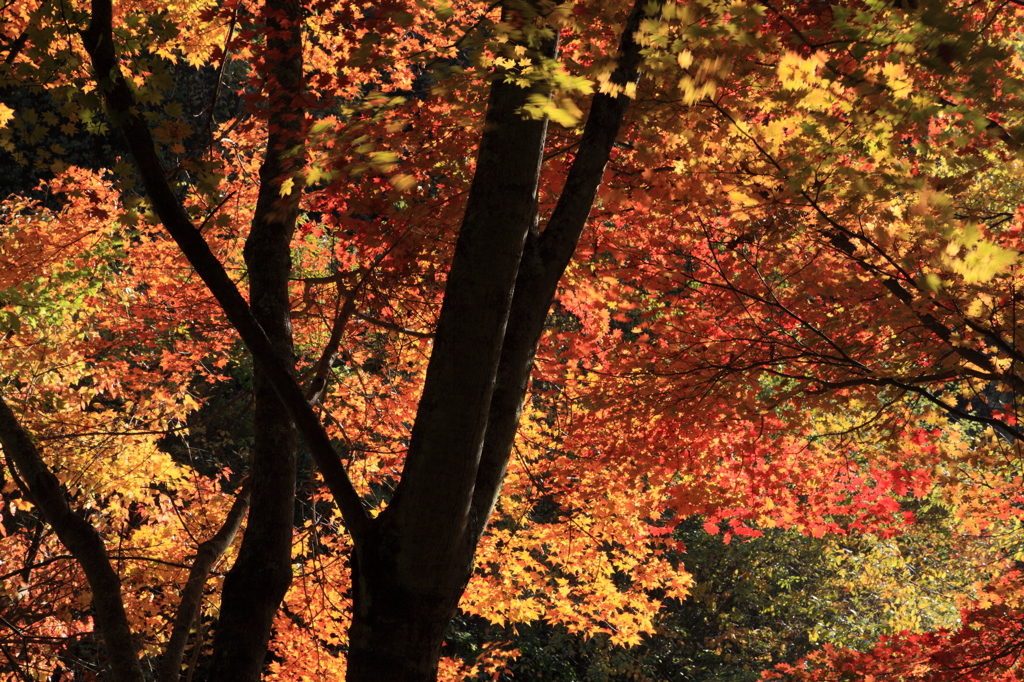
(262, 573)
(411, 569)
(81, 539)
(413, 566)
(397, 626)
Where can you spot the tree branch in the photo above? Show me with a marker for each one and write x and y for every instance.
(318, 384)
(123, 112)
(841, 238)
(192, 596)
(16, 47)
(384, 324)
(544, 260)
(997, 424)
(81, 540)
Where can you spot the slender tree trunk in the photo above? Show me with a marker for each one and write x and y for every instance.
(261, 575)
(191, 603)
(82, 540)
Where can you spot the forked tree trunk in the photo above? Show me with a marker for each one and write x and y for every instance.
(412, 562)
(411, 568)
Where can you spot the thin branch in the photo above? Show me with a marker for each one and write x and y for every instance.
(208, 128)
(213, 211)
(1002, 426)
(318, 385)
(384, 324)
(40, 564)
(841, 240)
(17, 45)
(14, 665)
(208, 554)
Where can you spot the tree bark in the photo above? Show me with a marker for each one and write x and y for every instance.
(82, 541)
(545, 258)
(125, 115)
(262, 573)
(413, 567)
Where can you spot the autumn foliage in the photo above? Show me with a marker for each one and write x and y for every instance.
(792, 304)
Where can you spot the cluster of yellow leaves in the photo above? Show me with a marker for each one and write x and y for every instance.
(98, 352)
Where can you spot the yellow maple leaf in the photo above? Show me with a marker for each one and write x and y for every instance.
(6, 114)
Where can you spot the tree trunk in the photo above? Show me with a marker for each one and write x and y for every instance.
(81, 539)
(398, 627)
(413, 565)
(261, 575)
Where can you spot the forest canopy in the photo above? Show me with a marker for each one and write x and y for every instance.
(403, 340)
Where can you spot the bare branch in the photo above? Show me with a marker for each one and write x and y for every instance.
(318, 385)
(384, 324)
